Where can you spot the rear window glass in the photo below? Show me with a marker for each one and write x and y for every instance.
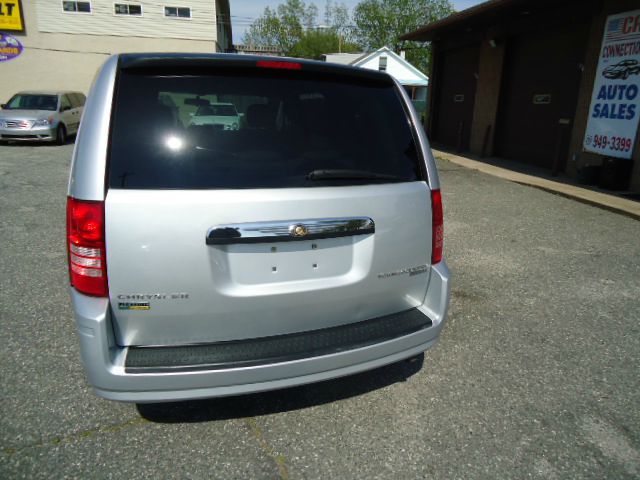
(257, 129)
(219, 110)
(77, 99)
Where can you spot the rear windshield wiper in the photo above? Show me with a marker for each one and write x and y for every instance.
(344, 174)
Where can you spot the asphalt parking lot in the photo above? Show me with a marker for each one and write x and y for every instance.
(536, 374)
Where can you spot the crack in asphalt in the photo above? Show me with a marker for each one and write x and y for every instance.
(81, 435)
(278, 459)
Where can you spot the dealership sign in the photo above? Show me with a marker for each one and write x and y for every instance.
(615, 101)
(10, 47)
(11, 16)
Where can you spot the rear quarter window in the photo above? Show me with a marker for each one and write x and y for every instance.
(65, 103)
(250, 128)
(77, 99)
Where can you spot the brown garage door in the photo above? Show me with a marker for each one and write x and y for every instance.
(539, 95)
(455, 97)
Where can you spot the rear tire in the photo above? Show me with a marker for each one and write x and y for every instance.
(61, 135)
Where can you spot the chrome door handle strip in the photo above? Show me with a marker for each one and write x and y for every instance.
(289, 230)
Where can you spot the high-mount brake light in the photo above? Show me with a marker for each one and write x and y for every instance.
(277, 64)
(437, 227)
(86, 247)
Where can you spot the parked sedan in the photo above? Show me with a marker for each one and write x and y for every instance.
(223, 115)
(41, 116)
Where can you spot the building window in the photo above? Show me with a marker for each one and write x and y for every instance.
(177, 12)
(76, 7)
(127, 9)
(382, 64)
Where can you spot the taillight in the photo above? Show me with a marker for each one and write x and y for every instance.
(437, 227)
(86, 247)
(279, 64)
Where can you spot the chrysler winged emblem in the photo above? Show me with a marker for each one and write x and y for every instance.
(298, 230)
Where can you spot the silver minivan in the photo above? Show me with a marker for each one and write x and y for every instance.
(304, 245)
(41, 116)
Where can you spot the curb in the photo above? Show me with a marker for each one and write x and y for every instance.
(612, 203)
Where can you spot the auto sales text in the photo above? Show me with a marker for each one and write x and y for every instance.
(620, 111)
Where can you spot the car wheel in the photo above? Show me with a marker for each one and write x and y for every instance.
(61, 135)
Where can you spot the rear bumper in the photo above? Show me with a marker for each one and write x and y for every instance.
(105, 362)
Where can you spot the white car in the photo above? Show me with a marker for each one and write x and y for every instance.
(223, 115)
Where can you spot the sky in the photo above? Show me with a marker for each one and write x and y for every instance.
(243, 12)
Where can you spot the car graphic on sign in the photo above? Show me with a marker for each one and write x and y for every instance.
(622, 69)
(11, 41)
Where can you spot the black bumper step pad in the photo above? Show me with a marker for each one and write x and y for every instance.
(276, 349)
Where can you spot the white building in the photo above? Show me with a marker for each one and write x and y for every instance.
(385, 59)
(342, 58)
(65, 41)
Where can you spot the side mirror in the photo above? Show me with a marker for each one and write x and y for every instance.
(4, 105)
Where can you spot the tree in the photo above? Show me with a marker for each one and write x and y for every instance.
(314, 43)
(380, 23)
(292, 27)
(283, 26)
(336, 16)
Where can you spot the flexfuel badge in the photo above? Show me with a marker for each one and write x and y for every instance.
(134, 306)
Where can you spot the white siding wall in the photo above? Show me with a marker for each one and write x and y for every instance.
(153, 23)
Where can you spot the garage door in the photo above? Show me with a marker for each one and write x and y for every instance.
(540, 90)
(455, 97)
